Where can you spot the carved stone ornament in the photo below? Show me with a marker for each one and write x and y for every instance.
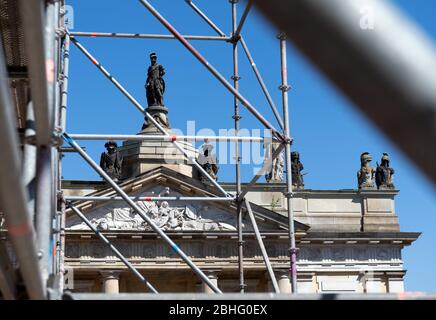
(185, 218)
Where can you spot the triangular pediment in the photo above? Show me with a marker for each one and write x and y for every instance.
(175, 215)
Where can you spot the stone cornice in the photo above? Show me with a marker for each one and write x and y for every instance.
(318, 238)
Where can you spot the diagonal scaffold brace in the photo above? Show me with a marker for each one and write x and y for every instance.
(113, 248)
(138, 210)
(262, 247)
(205, 18)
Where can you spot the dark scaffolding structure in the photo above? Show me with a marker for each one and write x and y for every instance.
(34, 69)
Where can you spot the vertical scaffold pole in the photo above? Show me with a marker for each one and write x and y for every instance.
(45, 188)
(289, 192)
(237, 117)
(64, 83)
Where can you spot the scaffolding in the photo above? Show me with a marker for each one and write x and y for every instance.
(32, 203)
(54, 49)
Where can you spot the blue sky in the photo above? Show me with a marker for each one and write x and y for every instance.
(329, 132)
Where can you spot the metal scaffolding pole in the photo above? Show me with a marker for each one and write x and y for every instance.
(138, 210)
(29, 158)
(35, 38)
(114, 198)
(205, 18)
(8, 279)
(64, 83)
(167, 138)
(289, 192)
(45, 154)
(237, 118)
(146, 36)
(13, 194)
(149, 117)
(237, 33)
(55, 216)
(262, 83)
(208, 66)
(258, 297)
(62, 242)
(44, 209)
(114, 249)
(262, 247)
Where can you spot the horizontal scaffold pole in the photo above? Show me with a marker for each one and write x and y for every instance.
(114, 198)
(141, 213)
(113, 248)
(169, 138)
(146, 36)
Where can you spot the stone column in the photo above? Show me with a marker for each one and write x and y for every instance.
(213, 277)
(282, 277)
(111, 281)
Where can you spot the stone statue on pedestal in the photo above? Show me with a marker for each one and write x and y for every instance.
(365, 176)
(155, 89)
(208, 162)
(297, 167)
(275, 173)
(155, 84)
(384, 174)
(111, 161)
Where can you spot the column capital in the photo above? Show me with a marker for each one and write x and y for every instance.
(212, 274)
(110, 274)
(281, 272)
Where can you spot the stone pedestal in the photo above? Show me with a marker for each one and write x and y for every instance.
(143, 156)
(110, 281)
(379, 213)
(213, 277)
(160, 114)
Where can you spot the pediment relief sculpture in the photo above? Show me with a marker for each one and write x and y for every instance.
(166, 217)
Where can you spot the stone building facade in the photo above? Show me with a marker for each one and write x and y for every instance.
(348, 240)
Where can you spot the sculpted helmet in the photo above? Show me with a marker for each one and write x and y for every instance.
(385, 157)
(295, 155)
(111, 143)
(365, 157)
